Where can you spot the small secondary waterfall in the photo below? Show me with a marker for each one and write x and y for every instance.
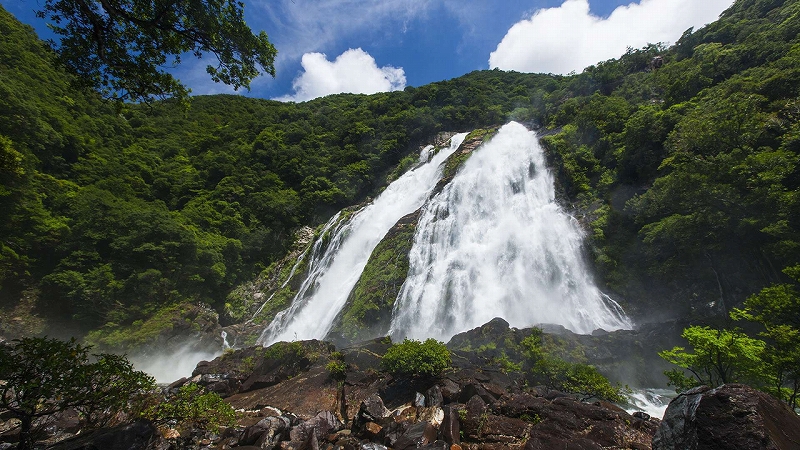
(335, 270)
(494, 243)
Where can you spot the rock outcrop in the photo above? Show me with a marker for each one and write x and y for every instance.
(293, 402)
(625, 356)
(256, 368)
(253, 304)
(368, 310)
(733, 416)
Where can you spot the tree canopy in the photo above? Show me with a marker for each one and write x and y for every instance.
(44, 376)
(776, 309)
(686, 177)
(716, 357)
(121, 46)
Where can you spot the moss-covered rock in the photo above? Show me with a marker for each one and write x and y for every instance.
(454, 162)
(20, 319)
(170, 328)
(257, 302)
(279, 280)
(258, 367)
(368, 311)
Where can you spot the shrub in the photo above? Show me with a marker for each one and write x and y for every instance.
(336, 367)
(575, 378)
(192, 406)
(410, 357)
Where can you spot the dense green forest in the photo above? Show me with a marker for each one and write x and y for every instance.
(685, 174)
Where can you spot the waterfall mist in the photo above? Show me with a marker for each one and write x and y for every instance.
(169, 366)
(494, 243)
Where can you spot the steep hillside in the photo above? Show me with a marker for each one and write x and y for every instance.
(683, 170)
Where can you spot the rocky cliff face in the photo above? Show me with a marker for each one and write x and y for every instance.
(291, 396)
(626, 357)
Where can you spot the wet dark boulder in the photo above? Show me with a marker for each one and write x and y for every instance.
(139, 435)
(451, 426)
(310, 434)
(732, 416)
(565, 422)
(418, 435)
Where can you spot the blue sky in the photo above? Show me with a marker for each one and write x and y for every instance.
(330, 46)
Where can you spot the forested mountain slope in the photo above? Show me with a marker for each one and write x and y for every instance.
(685, 174)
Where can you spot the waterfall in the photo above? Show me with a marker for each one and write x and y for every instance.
(335, 268)
(652, 401)
(494, 243)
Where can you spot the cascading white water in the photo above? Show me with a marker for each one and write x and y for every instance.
(652, 401)
(334, 271)
(494, 243)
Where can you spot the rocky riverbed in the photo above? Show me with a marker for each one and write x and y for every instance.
(288, 398)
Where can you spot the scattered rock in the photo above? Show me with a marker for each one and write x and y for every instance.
(267, 432)
(371, 410)
(451, 427)
(434, 397)
(417, 435)
(474, 407)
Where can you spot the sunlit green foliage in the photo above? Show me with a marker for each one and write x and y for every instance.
(777, 309)
(192, 406)
(723, 356)
(716, 357)
(428, 359)
(336, 367)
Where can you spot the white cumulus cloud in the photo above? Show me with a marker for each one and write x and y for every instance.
(354, 71)
(569, 38)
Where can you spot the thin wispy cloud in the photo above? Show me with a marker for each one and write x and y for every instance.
(304, 26)
(354, 71)
(192, 72)
(569, 38)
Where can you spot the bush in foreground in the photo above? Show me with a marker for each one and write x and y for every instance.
(410, 357)
(190, 407)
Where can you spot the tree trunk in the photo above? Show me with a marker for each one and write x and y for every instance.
(25, 434)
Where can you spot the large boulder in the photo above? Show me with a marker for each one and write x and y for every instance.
(139, 435)
(565, 422)
(258, 367)
(733, 416)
